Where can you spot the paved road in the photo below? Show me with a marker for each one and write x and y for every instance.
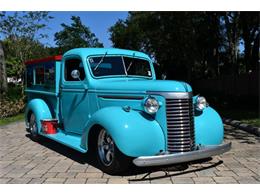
(25, 161)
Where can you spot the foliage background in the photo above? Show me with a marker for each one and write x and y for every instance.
(189, 46)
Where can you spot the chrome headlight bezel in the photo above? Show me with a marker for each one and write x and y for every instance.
(201, 103)
(151, 105)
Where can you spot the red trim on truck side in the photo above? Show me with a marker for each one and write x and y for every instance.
(52, 58)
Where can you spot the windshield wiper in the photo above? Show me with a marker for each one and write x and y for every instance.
(130, 64)
(100, 61)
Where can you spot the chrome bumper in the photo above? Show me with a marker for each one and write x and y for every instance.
(202, 153)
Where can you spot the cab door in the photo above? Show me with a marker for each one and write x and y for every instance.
(73, 95)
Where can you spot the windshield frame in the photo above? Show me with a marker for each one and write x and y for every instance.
(120, 76)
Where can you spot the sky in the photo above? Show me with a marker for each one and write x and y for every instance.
(98, 22)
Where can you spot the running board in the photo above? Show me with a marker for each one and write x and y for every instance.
(72, 141)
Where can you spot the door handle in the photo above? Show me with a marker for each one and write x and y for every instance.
(85, 87)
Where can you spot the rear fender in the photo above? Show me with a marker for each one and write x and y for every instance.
(40, 110)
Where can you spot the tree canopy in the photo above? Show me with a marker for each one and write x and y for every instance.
(21, 33)
(193, 44)
(187, 45)
(76, 35)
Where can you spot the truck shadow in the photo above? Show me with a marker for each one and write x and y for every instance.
(133, 170)
(175, 170)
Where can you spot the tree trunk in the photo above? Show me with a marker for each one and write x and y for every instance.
(3, 76)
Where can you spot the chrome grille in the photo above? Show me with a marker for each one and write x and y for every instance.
(180, 125)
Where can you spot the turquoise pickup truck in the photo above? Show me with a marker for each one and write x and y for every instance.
(109, 102)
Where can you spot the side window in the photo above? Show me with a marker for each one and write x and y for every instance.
(29, 76)
(73, 64)
(49, 74)
(39, 75)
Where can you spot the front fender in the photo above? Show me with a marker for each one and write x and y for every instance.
(134, 133)
(40, 109)
(208, 127)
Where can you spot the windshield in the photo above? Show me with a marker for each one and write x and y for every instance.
(119, 65)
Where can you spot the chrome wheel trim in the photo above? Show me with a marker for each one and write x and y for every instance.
(33, 125)
(106, 148)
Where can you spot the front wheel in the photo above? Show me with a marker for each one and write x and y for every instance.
(110, 159)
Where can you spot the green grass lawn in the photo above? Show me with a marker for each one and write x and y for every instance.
(244, 115)
(253, 122)
(5, 121)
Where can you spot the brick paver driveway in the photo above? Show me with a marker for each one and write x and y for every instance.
(25, 161)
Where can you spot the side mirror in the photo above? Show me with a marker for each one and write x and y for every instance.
(164, 76)
(75, 74)
(160, 75)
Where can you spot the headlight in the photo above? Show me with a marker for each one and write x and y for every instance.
(201, 103)
(151, 105)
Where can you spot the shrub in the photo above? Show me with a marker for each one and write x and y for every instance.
(11, 107)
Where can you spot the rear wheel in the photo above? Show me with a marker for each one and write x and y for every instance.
(110, 159)
(33, 129)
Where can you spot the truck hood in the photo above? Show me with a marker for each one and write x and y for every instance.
(139, 85)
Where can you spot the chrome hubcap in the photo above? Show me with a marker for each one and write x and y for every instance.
(106, 148)
(33, 125)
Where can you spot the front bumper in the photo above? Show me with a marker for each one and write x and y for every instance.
(202, 153)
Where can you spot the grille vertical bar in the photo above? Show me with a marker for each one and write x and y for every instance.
(180, 125)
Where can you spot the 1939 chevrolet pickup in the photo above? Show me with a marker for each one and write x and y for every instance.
(108, 101)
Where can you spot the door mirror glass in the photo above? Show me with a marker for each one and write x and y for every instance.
(160, 73)
(75, 74)
(164, 77)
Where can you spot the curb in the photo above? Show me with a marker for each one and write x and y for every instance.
(238, 124)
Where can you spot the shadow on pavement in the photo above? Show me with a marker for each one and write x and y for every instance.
(133, 170)
(63, 150)
(168, 174)
(241, 136)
